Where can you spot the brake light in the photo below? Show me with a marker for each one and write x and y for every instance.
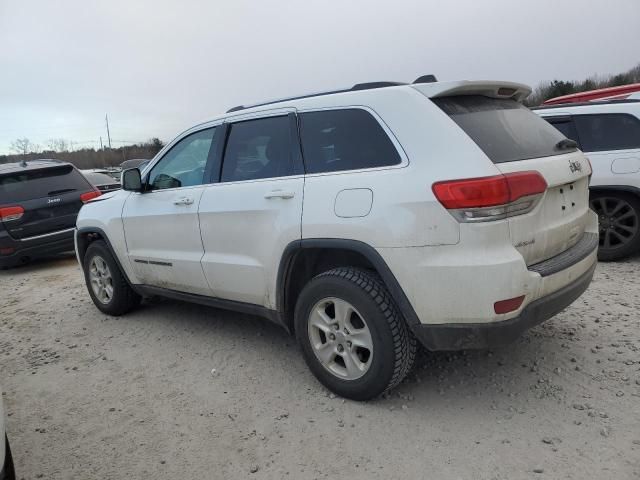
(491, 198)
(85, 197)
(11, 213)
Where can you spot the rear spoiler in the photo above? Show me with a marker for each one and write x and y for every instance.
(493, 89)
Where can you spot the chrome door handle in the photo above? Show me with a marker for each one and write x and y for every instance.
(183, 201)
(279, 194)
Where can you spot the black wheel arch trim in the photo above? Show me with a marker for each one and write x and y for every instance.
(366, 250)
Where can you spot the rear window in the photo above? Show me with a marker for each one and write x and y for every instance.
(96, 178)
(505, 130)
(345, 139)
(28, 185)
(608, 131)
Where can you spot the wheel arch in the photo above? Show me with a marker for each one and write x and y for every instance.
(85, 236)
(304, 259)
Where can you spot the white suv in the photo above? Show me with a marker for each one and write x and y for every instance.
(361, 220)
(608, 132)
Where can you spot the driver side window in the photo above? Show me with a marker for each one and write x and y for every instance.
(184, 164)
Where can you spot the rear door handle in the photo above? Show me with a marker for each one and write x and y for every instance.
(183, 201)
(279, 194)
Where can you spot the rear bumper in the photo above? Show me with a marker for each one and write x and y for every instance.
(486, 335)
(36, 248)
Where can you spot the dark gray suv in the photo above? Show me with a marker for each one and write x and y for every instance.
(39, 203)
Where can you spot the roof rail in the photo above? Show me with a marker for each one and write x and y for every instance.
(371, 85)
(583, 104)
(356, 87)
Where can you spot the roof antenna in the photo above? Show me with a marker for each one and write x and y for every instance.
(426, 79)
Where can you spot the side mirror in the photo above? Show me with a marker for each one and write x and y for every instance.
(131, 180)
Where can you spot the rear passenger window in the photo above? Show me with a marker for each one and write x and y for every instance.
(346, 139)
(610, 131)
(258, 149)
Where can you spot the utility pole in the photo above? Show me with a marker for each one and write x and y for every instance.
(106, 119)
(100, 143)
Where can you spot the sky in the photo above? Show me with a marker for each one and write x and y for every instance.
(158, 67)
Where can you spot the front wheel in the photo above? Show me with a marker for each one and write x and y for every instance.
(352, 335)
(107, 285)
(619, 223)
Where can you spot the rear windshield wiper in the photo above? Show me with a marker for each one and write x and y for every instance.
(566, 144)
(61, 191)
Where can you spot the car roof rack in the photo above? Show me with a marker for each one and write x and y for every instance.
(356, 87)
(583, 104)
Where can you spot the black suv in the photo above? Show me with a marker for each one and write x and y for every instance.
(39, 203)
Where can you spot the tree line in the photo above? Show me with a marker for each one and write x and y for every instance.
(82, 158)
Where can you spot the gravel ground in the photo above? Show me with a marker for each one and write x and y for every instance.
(94, 397)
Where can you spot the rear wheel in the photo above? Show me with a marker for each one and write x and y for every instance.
(107, 286)
(619, 223)
(352, 335)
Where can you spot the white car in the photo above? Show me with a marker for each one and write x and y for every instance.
(608, 132)
(362, 220)
(6, 462)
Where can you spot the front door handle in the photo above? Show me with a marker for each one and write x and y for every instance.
(279, 194)
(183, 201)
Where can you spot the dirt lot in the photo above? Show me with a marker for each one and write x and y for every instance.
(94, 397)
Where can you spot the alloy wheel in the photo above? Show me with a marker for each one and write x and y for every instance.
(618, 221)
(340, 338)
(101, 279)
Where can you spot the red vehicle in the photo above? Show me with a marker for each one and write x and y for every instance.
(611, 93)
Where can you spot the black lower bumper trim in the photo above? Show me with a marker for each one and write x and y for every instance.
(463, 336)
(21, 253)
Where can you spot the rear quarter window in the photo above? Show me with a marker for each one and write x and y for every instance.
(344, 139)
(504, 129)
(28, 185)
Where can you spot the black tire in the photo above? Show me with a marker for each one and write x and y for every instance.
(9, 471)
(619, 219)
(124, 298)
(394, 346)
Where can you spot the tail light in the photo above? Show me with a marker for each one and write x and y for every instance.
(11, 213)
(85, 197)
(491, 198)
